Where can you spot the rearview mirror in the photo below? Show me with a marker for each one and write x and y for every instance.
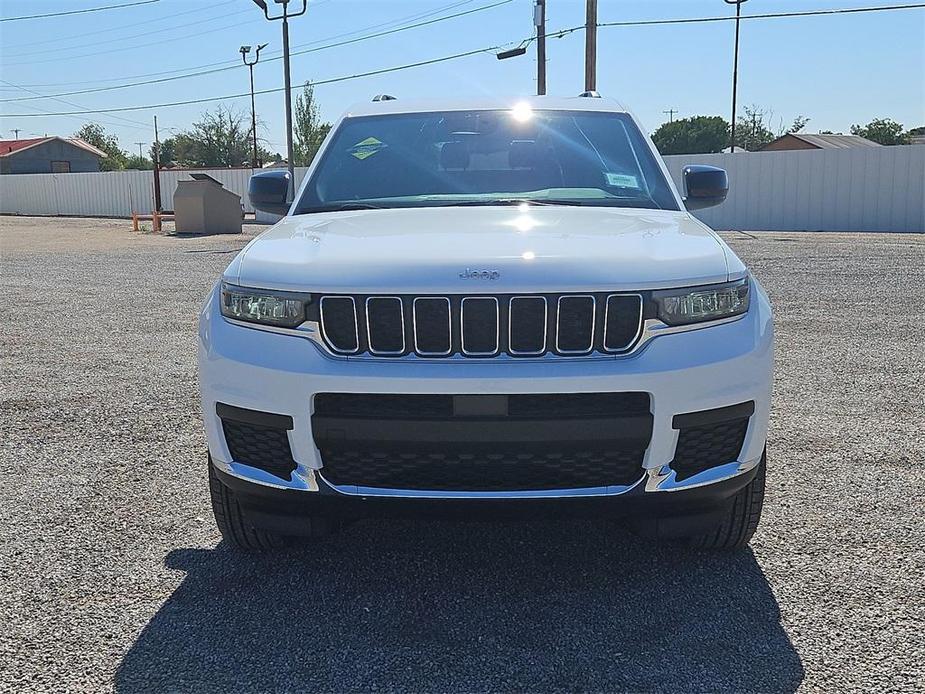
(704, 186)
(268, 191)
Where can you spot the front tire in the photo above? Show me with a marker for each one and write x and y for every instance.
(233, 524)
(741, 519)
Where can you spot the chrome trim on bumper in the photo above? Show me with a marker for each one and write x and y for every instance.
(663, 479)
(302, 479)
(652, 328)
(660, 479)
(351, 490)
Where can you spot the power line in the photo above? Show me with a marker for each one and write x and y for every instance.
(84, 11)
(294, 53)
(234, 62)
(131, 123)
(557, 34)
(370, 73)
(136, 46)
(277, 54)
(57, 59)
(768, 15)
(57, 40)
(58, 49)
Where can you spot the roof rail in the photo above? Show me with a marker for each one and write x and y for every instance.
(384, 97)
(590, 95)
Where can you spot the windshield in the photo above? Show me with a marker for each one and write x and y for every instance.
(487, 158)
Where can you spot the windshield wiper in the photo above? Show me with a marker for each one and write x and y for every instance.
(511, 201)
(341, 206)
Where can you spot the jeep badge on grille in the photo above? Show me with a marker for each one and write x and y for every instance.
(470, 274)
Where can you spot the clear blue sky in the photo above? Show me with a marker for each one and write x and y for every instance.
(837, 70)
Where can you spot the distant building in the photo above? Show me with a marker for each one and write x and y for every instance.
(805, 141)
(48, 155)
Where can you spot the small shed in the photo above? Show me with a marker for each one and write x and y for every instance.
(818, 141)
(203, 206)
(49, 155)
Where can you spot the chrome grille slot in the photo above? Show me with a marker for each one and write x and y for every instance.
(622, 321)
(479, 323)
(575, 324)
(527, 318)
(385, 325)
(433, 334)
(339, 323)
(520, 326)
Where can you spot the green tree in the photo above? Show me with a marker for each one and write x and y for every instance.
(138, 163)
(695, 135)
(752, 132)
(307, 128)
(96, 135)
(798, 124)
(886, 131)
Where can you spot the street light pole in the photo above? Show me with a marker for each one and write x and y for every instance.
(244, 51)
(286, 16)
(591, 46)
(735, 73)
(539, 19)
(289, 152)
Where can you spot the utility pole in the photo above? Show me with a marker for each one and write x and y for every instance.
(735, 73)
(140, 145)
(16, 132)
(539, 20)
(670, 113)
(262, 4)
(157, 169)
(591, 46)
(244, 51)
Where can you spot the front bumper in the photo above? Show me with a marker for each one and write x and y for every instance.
(687, 372)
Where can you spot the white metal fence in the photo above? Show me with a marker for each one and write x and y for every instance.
(864, 189)
(861, 189)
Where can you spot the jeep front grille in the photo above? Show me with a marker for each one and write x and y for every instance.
(481, 326)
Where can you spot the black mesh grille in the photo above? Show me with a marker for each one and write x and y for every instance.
(528, 325)
(480, 325)
(622, 322)
(259, 446)
(702, 447)
(339, 323)
(432, 322)
(578, 404)
(575, 324)
(483, 471)
(551, 405)
(385, 325)
(376, 405)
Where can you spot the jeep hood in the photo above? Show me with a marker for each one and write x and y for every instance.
(426, 250)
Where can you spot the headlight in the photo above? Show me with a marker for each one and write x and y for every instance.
(264, 306)
(698, 304)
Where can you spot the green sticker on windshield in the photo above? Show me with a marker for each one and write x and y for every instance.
(621, 180)
(367, 148)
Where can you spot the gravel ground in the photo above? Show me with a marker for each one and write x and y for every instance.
(115, 578)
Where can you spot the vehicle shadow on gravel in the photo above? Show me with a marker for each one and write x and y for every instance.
(462, 607)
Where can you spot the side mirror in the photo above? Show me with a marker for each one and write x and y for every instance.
(704, 186)
(268, 191)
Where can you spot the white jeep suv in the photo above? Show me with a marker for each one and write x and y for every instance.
(487, 306)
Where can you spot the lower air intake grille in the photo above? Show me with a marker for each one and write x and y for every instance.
(482, 443)
(702, 447)
(260, 447)
(480, 471)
